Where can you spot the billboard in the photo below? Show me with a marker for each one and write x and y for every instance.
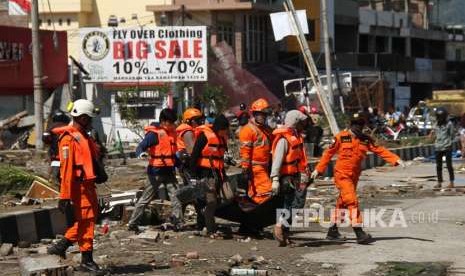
(157, 54)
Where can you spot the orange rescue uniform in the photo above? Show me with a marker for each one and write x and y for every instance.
(255, 151)
(180, 131)
(77, 150)
(212, 155)
(296, 159)
(162, 154)
(351, 151)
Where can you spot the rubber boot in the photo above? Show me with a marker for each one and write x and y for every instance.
(334, 235)
(60, 248)
(88, 264)
(362, 237)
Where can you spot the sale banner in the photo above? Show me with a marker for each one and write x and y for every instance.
(158, 54)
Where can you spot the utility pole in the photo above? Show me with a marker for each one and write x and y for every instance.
(37, 74)
(315, 77)
(329, 82)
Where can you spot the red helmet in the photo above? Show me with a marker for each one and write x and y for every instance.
(304, 109)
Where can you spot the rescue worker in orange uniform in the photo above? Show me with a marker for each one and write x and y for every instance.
(192, 118)
(186, 136)
(351, 146)
(289, 170)
(159, 145)
(255, 150)
(77, 152)
(207, 163)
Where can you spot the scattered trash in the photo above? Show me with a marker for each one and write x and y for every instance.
(327, 266)
(192, 255)
(177, 262)
(459, 223)
(235, 260)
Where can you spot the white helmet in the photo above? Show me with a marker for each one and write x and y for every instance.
(81, 107)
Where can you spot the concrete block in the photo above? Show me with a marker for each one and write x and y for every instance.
(58, 221)
(26, 227)
(43, 223)
(9, 229)
(43, 265)
(6, 249)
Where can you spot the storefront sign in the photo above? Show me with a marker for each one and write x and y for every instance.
(159, 54)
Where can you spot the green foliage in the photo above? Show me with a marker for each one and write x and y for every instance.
(213, 96)
(14, 179)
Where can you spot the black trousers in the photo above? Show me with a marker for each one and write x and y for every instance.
(448, 155)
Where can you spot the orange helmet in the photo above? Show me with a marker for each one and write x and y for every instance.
(260, 105)
(191, 113)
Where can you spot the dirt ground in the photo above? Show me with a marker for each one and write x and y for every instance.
(409, 189)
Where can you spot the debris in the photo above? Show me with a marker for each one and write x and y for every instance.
(6, 249)
(43, 265)
(459, 223)
(327, 266)
(248, 271)
(235, 260)
(39, 190)
(254, 248)
(248, 239)
(148, 235)
(260, 260)
(177, 262)
(46, 241)
(192, 255)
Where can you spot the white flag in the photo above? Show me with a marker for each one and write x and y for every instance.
(283, 24)
(19, 7)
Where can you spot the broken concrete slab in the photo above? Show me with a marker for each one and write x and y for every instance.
(6, 249)
(43, 265)
(148, 235)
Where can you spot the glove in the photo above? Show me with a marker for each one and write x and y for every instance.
(275, 186)
(64, 205)
(143, 155)
(314, 174)
(401, 163)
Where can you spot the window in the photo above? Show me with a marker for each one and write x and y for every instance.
(60, 22)
(49, 22)
(225, 33)
(68, 22)
(256, 37)
(40, 22)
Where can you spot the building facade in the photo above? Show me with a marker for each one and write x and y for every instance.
(393, 38)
